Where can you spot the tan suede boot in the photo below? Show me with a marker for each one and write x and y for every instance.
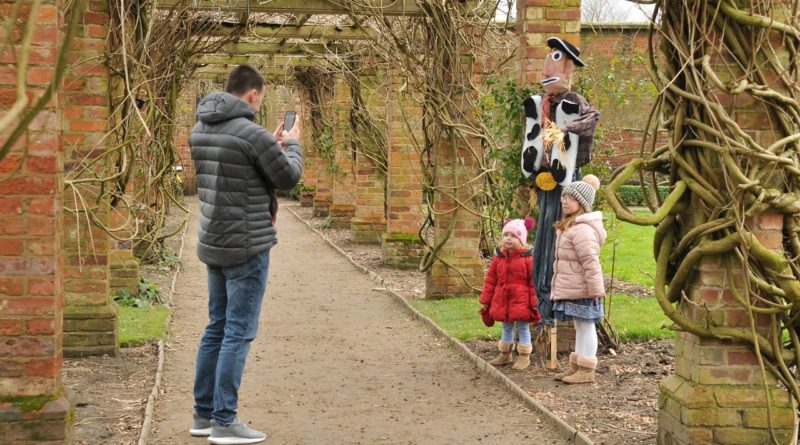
(573, 367)
(504, 357)
(585, 373)
(523, 357)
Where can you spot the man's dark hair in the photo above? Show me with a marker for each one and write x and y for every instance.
(244, 78)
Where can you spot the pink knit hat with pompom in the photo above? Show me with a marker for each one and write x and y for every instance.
(519, 228)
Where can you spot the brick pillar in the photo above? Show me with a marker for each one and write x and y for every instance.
(718, 394)
(342, 207)
(33, 405)
(286, 101)
(90, 315)
(536, 21)
(369, 223)
(401, 245)
(311, 161)
(458, 269)
(269, 107)
(185, 120)
(322, 116)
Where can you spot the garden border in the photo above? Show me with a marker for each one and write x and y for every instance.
(563, 428)
(147, 421)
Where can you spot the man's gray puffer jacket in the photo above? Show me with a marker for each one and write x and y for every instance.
(239, 164)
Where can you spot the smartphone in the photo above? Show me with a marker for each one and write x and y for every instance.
(288, 120)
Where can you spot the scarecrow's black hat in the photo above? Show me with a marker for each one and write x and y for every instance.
(572, 51)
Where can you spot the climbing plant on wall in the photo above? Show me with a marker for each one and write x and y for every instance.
(316, 84)
(150, 54)
(729, 92)
(501, 109)
(428, 55)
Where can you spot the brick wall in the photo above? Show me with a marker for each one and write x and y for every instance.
(184, 122)
(616, 83)
(33, 406)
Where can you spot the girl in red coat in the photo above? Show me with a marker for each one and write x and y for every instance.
(509, 295)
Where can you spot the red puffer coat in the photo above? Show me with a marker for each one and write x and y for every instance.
(508, 288)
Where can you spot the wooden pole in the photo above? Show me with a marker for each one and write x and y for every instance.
(553, 362)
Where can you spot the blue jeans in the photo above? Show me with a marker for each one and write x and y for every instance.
(234, 302)
(524, 329)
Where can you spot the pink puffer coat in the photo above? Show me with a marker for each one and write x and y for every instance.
(576, 269)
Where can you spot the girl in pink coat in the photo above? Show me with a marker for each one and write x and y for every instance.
(578, 287)
(508, 293)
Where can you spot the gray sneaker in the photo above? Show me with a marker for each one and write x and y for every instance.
(234, 434)
(200, 425)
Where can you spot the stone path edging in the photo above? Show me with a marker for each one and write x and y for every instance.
(147, 422)
(566, 430)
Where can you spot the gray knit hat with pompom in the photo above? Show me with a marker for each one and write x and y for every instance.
(583, 190)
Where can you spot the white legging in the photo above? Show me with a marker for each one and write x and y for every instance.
(585, 338)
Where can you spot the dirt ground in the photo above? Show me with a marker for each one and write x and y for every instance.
(110, 393)
(301, 390)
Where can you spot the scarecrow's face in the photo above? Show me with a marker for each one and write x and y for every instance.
(557, 72)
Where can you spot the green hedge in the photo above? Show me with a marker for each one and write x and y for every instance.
(631, 195)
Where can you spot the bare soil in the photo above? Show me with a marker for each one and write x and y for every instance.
(110, 393)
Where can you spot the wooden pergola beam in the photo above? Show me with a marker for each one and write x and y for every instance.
(257, 48)
(273, 61)
(302, 7)
(220, 74)
(279, 32)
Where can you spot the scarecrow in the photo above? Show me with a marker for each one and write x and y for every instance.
(559, 130)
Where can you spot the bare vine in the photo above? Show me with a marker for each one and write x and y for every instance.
(151, 53)
(729, 99)
(316, 85)
(433, 58)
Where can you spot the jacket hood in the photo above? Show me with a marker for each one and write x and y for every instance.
(595, 221)
(524, 251)
(220, 107)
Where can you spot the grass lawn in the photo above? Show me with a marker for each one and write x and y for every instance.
(637, 318)
(634, 318)
(633, 261)
(137, 326)
(458, 316)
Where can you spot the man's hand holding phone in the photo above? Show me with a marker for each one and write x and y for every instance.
(289, 128)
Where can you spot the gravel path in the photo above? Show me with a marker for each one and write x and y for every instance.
(338, 362)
